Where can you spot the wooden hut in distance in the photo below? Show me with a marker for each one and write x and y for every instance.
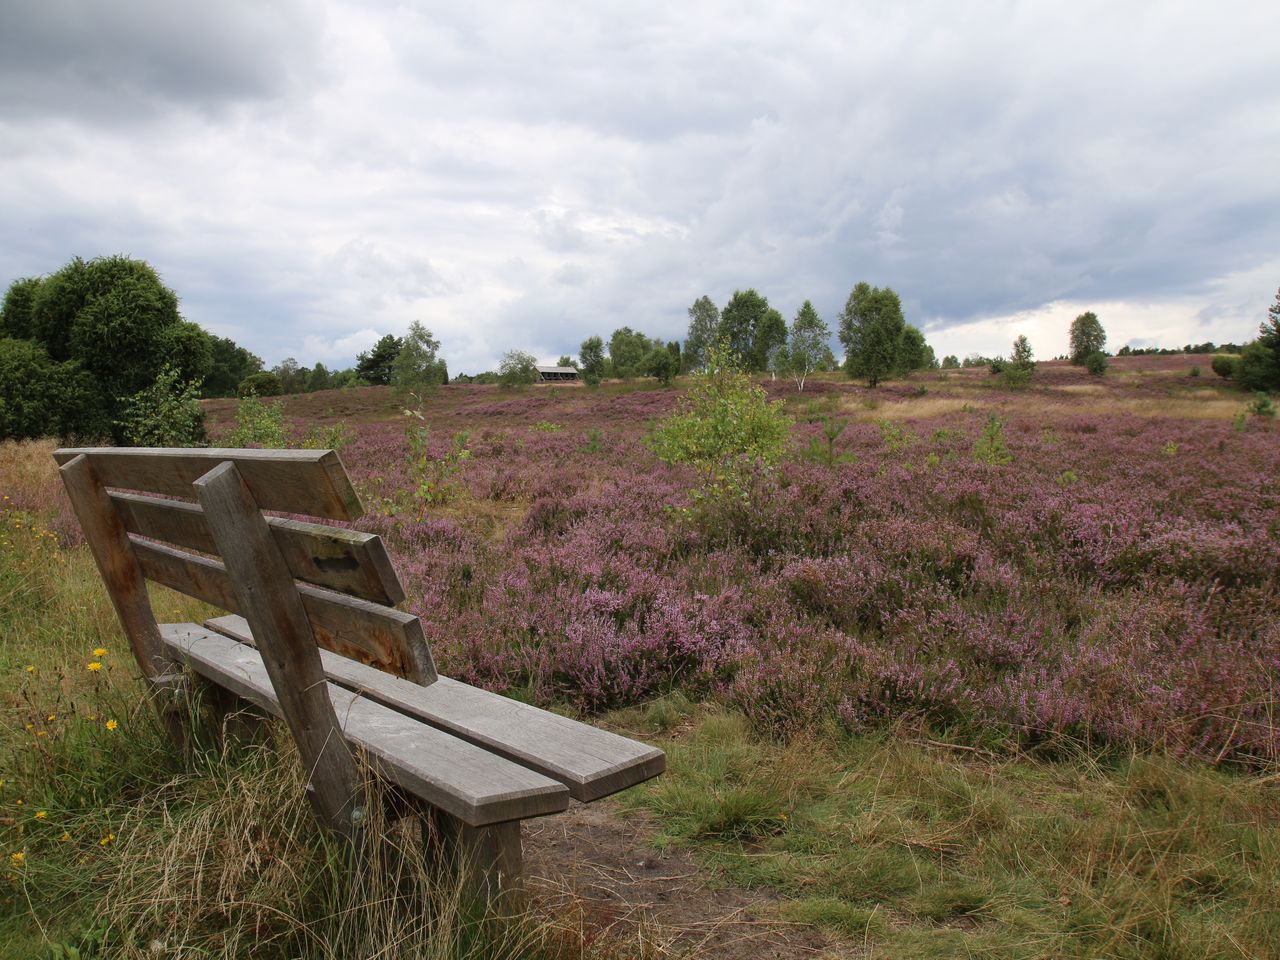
(557, 374)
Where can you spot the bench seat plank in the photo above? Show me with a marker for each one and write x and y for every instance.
(459, 777)
(592, 763)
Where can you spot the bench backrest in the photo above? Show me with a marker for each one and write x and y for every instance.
(344, 578)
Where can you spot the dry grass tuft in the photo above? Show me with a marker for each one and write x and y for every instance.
(244, 871)
(915, 408)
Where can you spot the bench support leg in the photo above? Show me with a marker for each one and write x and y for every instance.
(228, 719)
(489, 859)
(268, 596)
(109, 542)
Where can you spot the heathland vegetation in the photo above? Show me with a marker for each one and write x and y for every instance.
(968, 663)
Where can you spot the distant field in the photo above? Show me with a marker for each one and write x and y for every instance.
(994, 672)
(1113, 584)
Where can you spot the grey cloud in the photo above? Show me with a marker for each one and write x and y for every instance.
(123, 61)
(549, 172)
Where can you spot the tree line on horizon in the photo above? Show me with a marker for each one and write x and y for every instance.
(83, 349)
(878, 343)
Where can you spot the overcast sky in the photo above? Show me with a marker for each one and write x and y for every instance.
(310, 175)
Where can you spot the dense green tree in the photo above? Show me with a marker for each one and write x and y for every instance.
(1257, 368)
(770, 336)
(188, 349)
(343, 379)
(661, 363)
(1020, 366)
(114, 318)
(627, 352)
(1096, 363)
(374, 366)
(418, 366)
(15, 314)
(1087, 337)
(738, 322)
(319, 378)
(913, 353)
(517, 369)
(264, 383)
(230, 364)
(55, 304)
(1022, 355)
(292, 376)
(704, 322)
(751, 329)
(567, 361)
(871, 327)
(951, 362)
(591, 355)
(806, 345)
(1260, 367)
(40, 397)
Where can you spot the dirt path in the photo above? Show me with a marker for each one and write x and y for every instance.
(606, 865)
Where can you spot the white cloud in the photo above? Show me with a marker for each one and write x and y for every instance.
(522, 177)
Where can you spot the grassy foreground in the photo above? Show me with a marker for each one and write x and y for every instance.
(114, 844)
(918, 848)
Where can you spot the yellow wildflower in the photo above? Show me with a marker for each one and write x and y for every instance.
(65, 836)
(51, 717)
(111, 724)
(94, 667)
(31, 668)
(42, 733)
(42, 815)
(100, 651)
(107, 839)
(16, 860)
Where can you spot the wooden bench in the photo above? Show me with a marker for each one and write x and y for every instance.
(315, 637)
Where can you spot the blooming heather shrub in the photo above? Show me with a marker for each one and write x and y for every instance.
(797, 683)
(1133, 605)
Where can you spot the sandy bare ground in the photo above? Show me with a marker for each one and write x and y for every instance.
(604, 866)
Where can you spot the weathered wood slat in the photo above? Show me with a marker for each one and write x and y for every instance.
(467, 781)
(591, 762)
(267, 594)
(311, 482)
(333, 557)
(387, 638)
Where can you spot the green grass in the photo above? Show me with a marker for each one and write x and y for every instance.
(115, 843)
(923, 850)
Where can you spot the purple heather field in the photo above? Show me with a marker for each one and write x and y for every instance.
(1113, 585)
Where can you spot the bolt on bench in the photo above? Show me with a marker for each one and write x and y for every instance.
(315, 638)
